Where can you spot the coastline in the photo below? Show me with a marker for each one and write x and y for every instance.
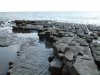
(73, 48)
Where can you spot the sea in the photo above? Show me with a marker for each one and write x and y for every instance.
(8, 54)
(81, 17)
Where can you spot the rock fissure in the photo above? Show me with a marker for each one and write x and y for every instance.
(74, 51)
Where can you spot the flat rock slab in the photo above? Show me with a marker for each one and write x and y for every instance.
(32, 61)
(56, 66)
(96, 51)
(84, 67)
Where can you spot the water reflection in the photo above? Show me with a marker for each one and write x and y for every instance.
(7, 54)
(34, 35)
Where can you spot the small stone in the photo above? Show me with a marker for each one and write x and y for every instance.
(51, 57)
(55, 66)
(61, 55)
(18, 52)
(10, 66)
(11, 63)
(73, 43)
(9, 72)
(69, 56)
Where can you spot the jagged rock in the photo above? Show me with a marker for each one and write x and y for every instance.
(93, 27)
(55, 34)
(83, 43)
(89, 39)
(39, 29)
(72, 55)
(65, 40)
(69, 56)
(95, 47)
(48, 44)
(1, 21)
(84, 67)
(61, 33)
(41, 35)
(11, 63)
(9, 72)
(45, 29)
(80, 33)
(60, 55)
(65, 70)
(74, 49)
(70, 34)
(80, 63)
(11, 66)
(55, 66)
(95, 36)
(59, 47)
(51, 57)
(52, 39)
(33, 22)
(45, 26)
(19, 22)
(98, 33)
(47, 33)
(73, 43)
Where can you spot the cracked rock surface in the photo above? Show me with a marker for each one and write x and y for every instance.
(74, 50)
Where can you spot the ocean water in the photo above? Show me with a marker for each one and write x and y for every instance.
(70, 17)
(9, 53)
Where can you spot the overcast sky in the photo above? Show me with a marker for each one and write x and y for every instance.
(49, 5)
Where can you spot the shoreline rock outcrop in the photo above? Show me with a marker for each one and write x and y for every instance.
(74, 52)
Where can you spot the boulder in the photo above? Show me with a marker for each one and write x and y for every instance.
(19, 22)
(61, 33)
(69, 56)
(72, 43)
(94, 35)
(11, 63)
(55, 67)
(51, 57)
(60, 55)
(41, 35)
(52, 39)
(83, 43)
(84, 67)
(59, 47)
(93, 27)
(89, 39)
(80, 33)
(70, 34)
(45, 26)
(47, 33)
(95, 47)
(65, 40)
(66, 70)
(98, 33)
(55, 34)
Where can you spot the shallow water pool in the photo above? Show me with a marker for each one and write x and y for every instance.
(7, 54)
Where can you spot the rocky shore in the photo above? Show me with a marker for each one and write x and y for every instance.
(76, 48)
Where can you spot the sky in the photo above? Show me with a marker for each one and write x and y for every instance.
(49, 5)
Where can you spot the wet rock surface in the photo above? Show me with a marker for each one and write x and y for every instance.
(74, 50)
(71, 45)
(31, 60)
(95, 47)
(7, 38)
